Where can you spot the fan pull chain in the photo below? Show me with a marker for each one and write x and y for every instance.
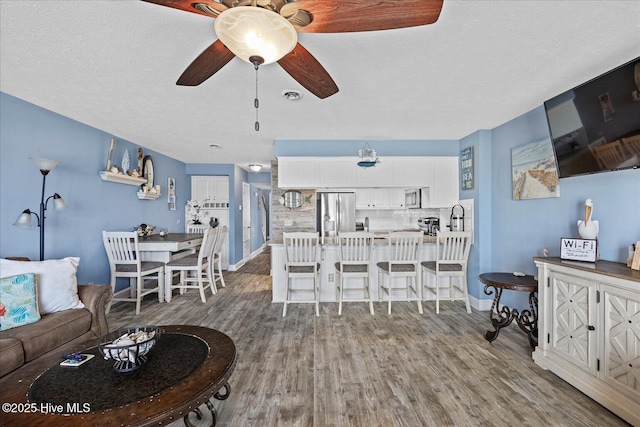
(256, 102)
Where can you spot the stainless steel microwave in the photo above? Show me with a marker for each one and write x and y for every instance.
(415, 198)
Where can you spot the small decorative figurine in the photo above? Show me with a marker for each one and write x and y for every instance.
(588, 229)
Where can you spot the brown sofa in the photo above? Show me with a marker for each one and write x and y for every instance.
(56, 331)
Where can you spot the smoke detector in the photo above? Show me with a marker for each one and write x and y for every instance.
(292, 94)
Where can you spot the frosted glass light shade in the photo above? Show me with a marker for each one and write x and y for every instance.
(253, 31)
(255, 167)
(24, 219)
(58, 202)
(44, 164)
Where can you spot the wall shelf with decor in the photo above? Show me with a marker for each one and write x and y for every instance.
(147, 196)
(121, 178)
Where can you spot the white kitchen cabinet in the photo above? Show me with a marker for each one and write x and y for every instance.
(380, 175)
(365, 198)
(414, 172)
(298, 172)
(396, 198)
(589, 330)
(444, 189)
(214, 188)
(380, 198)
(337, 172)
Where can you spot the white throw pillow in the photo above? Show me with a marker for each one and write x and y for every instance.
(56, 281)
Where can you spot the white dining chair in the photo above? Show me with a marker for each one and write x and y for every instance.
(404, 252)
(217, 256)
(452, 255)
(123, 253)
(196, 271)
(301, 249)
(196, 228)
(355, 258)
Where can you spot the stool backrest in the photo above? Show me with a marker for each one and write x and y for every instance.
(405, 247)
(301, 248)
(355, 247)
(121, 247)
(453, 247)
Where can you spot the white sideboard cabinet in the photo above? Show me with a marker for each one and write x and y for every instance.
(589, 330)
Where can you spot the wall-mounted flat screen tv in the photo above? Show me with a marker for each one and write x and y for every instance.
(595, 127)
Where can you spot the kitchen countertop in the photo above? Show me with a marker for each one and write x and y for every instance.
(379, 239)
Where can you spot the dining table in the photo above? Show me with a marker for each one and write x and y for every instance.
(168, 247)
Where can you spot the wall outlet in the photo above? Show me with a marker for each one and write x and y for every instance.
(178, 221)
(331, 277)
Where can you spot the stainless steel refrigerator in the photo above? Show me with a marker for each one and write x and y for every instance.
(336, 212)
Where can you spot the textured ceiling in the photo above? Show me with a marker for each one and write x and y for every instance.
(113, 65)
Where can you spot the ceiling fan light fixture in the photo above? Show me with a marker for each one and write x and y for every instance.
(255, 167)
(253, 31)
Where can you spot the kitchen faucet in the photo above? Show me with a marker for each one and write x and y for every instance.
(366, 223)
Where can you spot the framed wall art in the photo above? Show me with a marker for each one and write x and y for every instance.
(466, 169)
(534, 172)
(171, 194)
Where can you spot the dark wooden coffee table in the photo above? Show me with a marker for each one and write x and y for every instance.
(527, 319)
(188, 366)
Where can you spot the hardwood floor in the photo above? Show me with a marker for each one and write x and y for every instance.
(405, 369)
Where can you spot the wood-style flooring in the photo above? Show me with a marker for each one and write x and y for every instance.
(403, 369)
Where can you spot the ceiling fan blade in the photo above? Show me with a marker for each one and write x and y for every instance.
(343, 16)
(209, 62)
(202, 7)
(307, 71)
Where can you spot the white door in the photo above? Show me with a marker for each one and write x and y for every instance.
(246, 221)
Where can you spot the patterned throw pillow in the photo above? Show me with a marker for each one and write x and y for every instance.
(18, 301)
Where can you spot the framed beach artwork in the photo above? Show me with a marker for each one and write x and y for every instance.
(171, 196)
(534, 174)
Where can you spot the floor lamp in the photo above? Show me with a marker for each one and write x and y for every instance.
(24, 220)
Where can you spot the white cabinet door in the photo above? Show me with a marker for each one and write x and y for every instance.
(380, 175)
(444, 190)
(220, 191)
(365, 198)
(573, 319)
(621, 340)
(396, 198)
(337, 172)
(214, 188)
(379, 198)
(199, 187)
(298, 172)
(412, 172)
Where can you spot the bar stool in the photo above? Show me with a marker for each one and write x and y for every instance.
(452, 255)
(355, 259)
(404, 256)
(301, 249)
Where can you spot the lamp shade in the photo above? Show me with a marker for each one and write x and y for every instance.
(58, 202)
(255, 167)
(253, 31)
(44, 164)
(24, 219)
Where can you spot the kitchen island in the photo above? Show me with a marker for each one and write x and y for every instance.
(329, 255)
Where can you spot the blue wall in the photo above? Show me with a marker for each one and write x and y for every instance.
(521, 229)
(93, 205)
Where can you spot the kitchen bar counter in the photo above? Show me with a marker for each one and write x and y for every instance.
(379, 239)
(328, 257)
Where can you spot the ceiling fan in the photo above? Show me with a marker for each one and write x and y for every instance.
(285, 18)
